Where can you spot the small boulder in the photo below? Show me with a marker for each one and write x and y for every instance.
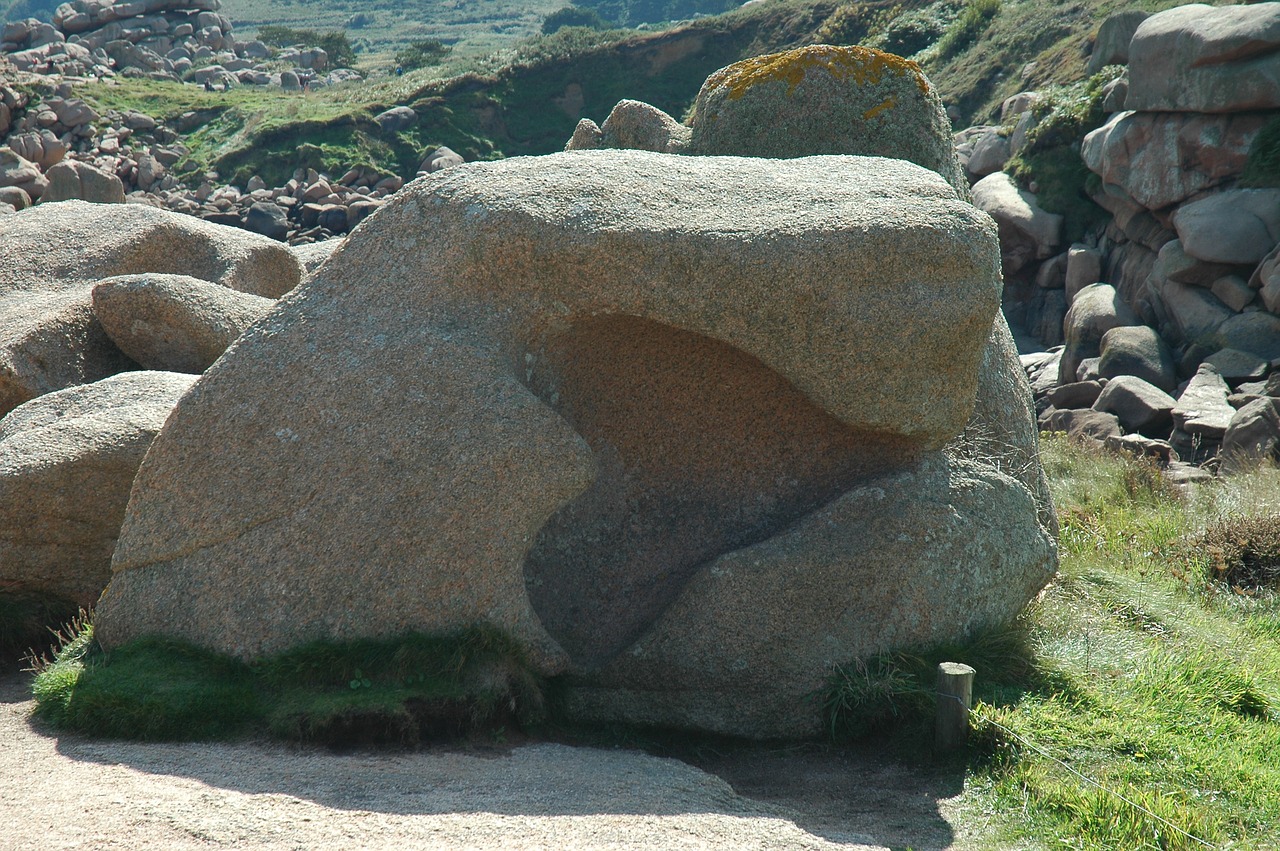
(268, 219)
(1085, 425)
(440, 158)
(638, 126)
(1239, 226)
(396, 119)
(825, 100)
(1199, 58)
(1111, 46)
(1252, 436)
(72, 179)
(1139, 405)
(1096, 310)
(1138, 350)
(1078, 394)
(67, 463)
(1203, 409)
(173, 322)
(1027, 233)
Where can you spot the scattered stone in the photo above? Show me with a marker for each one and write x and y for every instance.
(1096, 310)
(1158, 451)
(1085, 425)
(638, 126)
(439, 159)
(1252, 437)
(1078, 394)
(1236, 366)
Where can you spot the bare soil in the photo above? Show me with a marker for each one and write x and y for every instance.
(67, 792)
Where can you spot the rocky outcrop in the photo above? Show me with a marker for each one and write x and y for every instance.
(67, 462)
(51, 336)
(559, 459)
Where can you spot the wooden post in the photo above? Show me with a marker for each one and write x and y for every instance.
(955, 697)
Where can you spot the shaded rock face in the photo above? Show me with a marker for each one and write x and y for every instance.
(67, 461)
(560, 387)
(700, 449)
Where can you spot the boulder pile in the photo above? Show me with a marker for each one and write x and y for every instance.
(1177, 299)
(160, 39)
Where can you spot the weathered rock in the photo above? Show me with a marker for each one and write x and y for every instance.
(990, 153)
(1194, 313)
(1159, 158)
(1078, 394)
(587, 136)
(578, 314)
(1175, 264)
(14, 197)
(1085, 424)
(49, 335)
(825, 100)
(1138, 350)
(1238, 226)
(1139, 405)
(1202, 408)
(72, 179)
(1256, 332)
(314, 255)
(1027, 232)
(1095, 310)
(1236, 366)
(267, 219)
(1158, 451)
(1186, 474)
(1111, 47)
(1084, 267)
(638, 126)
(717, 641)
(396, 119)
(440, 158)
(21, 173)
(174, 322)
(1199, 58)
(67, 462)
(1252, 436)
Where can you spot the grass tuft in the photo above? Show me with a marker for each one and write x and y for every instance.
(401, 691)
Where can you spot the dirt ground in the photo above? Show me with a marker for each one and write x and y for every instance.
(67, 792)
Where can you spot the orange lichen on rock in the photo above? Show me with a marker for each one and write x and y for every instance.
(887, 103)
(861, 64)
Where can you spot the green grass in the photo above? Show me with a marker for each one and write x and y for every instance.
(1138, 667)
(400, 691)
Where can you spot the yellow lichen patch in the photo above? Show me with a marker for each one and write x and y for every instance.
(862, 65)
(887, 103)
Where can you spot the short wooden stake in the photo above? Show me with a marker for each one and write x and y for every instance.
(955, 697)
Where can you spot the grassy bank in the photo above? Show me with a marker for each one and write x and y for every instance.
(1150, 665)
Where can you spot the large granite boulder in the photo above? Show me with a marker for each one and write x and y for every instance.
(825, 100)
(67, 462)
(604, 400)
(1200, 58)
(1111, 46)
(50, 337)
(174, 322)
(1236, 227)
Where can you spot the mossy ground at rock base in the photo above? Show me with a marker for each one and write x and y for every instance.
(403, 691)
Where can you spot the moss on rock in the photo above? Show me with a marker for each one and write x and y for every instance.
(824, 99)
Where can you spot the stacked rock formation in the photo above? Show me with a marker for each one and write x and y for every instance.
(701, 361)
(1178, 295)
(88, 294)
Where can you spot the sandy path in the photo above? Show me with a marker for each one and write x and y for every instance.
(68, 792)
